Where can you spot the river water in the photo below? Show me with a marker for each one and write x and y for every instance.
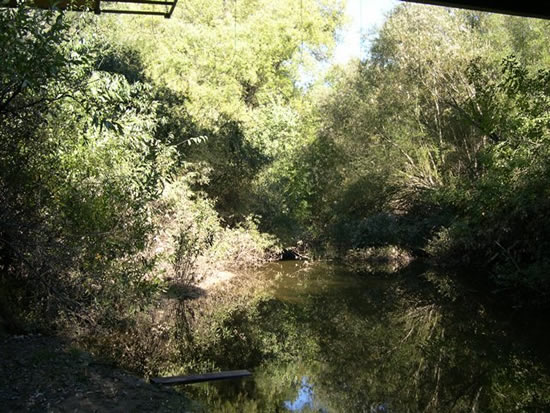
(345, 339)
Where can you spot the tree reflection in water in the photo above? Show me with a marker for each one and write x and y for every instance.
(337, 341)
(303, 400)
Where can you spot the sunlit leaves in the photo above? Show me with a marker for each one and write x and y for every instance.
(228, 57)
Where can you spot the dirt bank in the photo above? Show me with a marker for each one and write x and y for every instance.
(45, 374)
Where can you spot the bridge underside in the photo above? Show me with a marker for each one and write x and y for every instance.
(526, 8)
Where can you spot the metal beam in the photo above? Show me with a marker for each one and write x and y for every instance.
(140, 12)
(169, 14)
(526, 8)
(97, 6)
(154, 2)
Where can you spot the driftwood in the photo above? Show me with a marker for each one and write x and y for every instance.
(198, 378)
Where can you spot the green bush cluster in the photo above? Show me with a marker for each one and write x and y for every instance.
(99, 208)
(77, 175)
(442, 142)
(130, 167)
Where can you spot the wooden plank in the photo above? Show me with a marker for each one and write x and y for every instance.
(198, 378)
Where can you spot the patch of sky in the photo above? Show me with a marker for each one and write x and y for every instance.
(364, 19)
(304, 400)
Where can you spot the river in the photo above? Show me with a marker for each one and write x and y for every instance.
(346, 339)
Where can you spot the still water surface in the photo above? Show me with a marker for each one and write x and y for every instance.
(356, 340)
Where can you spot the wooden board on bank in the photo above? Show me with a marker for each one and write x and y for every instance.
(198, 378)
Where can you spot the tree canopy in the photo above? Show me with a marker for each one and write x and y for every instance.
(140, 156)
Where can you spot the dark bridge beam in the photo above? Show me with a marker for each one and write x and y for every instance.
(527, 8)
(153, 7)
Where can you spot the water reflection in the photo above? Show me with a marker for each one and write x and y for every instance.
(303, 400)
(338, 341)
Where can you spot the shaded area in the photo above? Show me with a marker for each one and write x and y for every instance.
(40, 374)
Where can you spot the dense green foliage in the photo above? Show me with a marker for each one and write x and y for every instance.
(138, 156)
(441, 139)
(129, 168)
(80, 165)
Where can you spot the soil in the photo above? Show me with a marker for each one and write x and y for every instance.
(215, 279)
(47, 374)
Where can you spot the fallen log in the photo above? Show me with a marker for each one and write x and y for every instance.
(198, 378)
